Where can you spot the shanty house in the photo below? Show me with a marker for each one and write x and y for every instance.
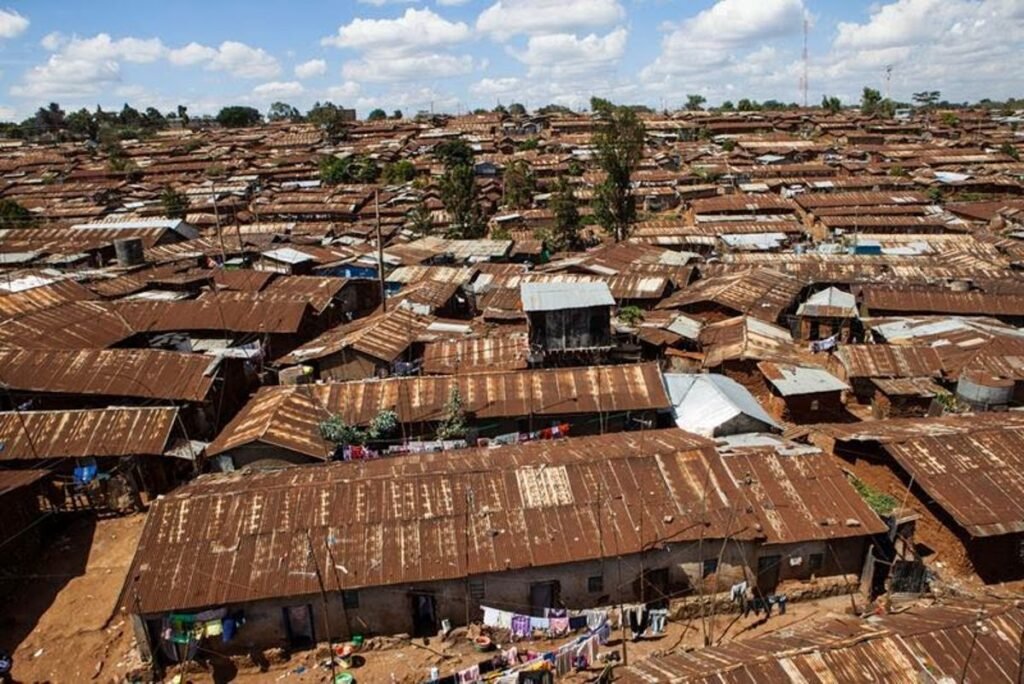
(830, 312)
(803, 394)
(715, 405)
(389, 563)
(860, 364)
(568, 318)
(129, 451)
(282, 424)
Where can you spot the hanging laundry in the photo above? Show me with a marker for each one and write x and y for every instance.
(577, 622)
(520, 626)
(540, 623)
(470, 675)
(491, 617)
(559, 626)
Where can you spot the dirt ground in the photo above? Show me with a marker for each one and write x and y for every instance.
(58, 616)
(411, 662)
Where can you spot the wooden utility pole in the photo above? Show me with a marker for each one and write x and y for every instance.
(380, 252)
(323, 598)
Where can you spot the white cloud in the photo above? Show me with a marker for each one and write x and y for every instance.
(496, 86)
(412, 31)
(561, 55)
(410, 99)
(407, 67)
(345, 91)
(238, 59)
(53, 41)
(6, 113)
(191, 54)
(314, 67)
(451, 3)
(719, 36)
(66, 77)
(12, 24)
(507, 18)
(408, 48)
(278, 89)
(102, 46)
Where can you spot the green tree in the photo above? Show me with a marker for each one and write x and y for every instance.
(331, 118)
(727, 106)
(745, 105)
(282, 111)
(950, 119)
(130, 117)
(175, 203)
(566, 232)
(459, 196)
(729, 144)
(519, 185)
(453, 421)
(516, 109)
(420, 220)
(377, 115)
(183, 115)
(695, 103)
(454, 153)
(354, 169)
(13, 215)
(1010, 151)
(82, 124)
(832, 105)
(236, 116)
(402, 171)
(153, 119)
(397, 115)
(50, 119)
(528, 144)
(870, 101)
(619, 144)
(926, 99)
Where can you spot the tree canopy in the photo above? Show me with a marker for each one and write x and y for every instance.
(237, 116)
(619, 143)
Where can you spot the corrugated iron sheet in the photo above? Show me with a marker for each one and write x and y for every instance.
(383, 336)
(241, 537)
(761, 293)
(889, 361)
(32, 435)
(147, 373)
(978, 477)
(477, 354)
(289, 416)
(967, 642)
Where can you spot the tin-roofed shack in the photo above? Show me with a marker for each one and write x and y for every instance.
(568, 318)
(403, 562)
(284, 424)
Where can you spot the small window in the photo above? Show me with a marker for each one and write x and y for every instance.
(814, 404)
(816, 561)
(595, 584)
(710, 567)
(476, 588)
(350, 598)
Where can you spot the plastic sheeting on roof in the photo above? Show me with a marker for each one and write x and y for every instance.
(704, 403)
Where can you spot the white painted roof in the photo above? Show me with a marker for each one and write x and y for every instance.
(557, 296)
(702, 402)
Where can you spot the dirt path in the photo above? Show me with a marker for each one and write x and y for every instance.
(60, 613)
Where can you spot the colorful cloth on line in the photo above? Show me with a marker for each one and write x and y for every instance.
(520, 626)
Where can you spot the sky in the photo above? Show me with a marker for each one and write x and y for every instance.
(454, 55)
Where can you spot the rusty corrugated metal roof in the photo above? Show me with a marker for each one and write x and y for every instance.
(45, 297)
(968, 642)
(147, 373)
(761, 293)
(229, 311)
(383, 336)
(877, 299)
(977, 477)
(75, 325)
(32, 435)
(240, 537)
(289, 416)
(476, 354)
(889, 361)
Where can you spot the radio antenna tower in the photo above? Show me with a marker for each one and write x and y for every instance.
(888, 79)
(804, 80)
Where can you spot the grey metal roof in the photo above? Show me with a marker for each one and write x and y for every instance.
(794, 380)
(556, 296)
